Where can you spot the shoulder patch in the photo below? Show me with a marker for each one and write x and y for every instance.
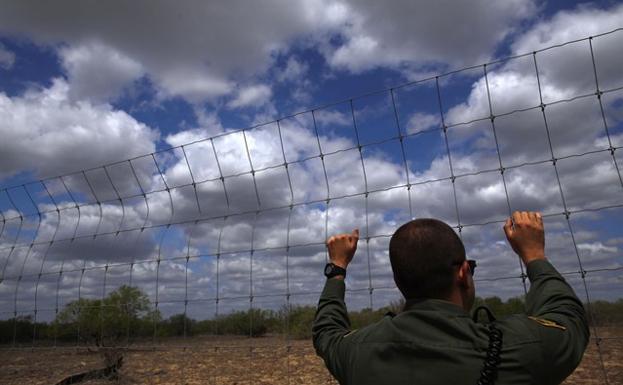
(547, 323)
(350, 333)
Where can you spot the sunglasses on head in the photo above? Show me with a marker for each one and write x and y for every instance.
(470, 262)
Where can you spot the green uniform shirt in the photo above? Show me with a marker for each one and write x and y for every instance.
(436, 342)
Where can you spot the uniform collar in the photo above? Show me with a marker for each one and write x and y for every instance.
(434, 304)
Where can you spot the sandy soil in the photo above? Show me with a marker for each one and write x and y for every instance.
(235, 360)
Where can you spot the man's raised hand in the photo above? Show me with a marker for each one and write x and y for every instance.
(526, 235)
(342, 248)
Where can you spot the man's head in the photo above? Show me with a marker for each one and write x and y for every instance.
(428, 261)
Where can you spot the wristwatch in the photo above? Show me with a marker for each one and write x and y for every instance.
(331, 270)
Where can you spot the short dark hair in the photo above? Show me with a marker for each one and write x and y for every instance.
(424, 254)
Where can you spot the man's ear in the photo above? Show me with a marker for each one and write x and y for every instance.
(462, 275)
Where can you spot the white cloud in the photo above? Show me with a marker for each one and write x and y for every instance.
(199, 50)
(360, 53)
(419, 33)
(597, 247)
(44, 132)
(330, 118)
(97, 72)
(194, 84)
(585, 20)
(7, 58)
(191, 49)
(422, 121)
(569, 69)
(184, 137)
(252, 96)
(294, 70)
(574, 127)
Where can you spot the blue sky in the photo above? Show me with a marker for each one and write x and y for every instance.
(83, 87)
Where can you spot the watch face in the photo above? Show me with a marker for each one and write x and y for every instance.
(328, 269)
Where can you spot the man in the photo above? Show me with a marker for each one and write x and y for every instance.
(434, 340)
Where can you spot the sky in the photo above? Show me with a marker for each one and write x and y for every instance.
(204, 151)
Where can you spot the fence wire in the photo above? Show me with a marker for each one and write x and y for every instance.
(170, 222)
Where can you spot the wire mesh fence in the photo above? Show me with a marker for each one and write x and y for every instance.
(203, 247)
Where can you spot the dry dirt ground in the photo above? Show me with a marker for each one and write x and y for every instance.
(266, 360)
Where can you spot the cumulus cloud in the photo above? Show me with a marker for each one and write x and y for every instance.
(203, 52)
(46, 133)
(194, 84)
(294, 70)
(565, 73)
(568, 25)
(252, 96)
(203, 47)
(568, 70)
(421, 122)
(419, 33)
(97, 72)
(573, 127)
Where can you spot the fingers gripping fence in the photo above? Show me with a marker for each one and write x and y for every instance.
(190, 248)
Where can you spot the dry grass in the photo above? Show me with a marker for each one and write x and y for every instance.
(266, 360)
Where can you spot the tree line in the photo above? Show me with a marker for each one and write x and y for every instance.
(126, 315)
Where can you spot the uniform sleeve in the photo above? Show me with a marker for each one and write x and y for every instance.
(330, 326)
(560, 319)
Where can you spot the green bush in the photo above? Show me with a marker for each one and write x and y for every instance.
(606, 313)
(500, 308)
(126, 314)
(252, 322)
(298, 321)
(177, 325)
(23, 330)
(365, 317)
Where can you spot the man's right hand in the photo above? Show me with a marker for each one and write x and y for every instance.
(525, 234)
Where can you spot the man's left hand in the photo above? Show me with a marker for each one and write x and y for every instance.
(342, 248)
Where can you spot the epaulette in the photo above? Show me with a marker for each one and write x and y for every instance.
(350, 333)
(547, 323)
